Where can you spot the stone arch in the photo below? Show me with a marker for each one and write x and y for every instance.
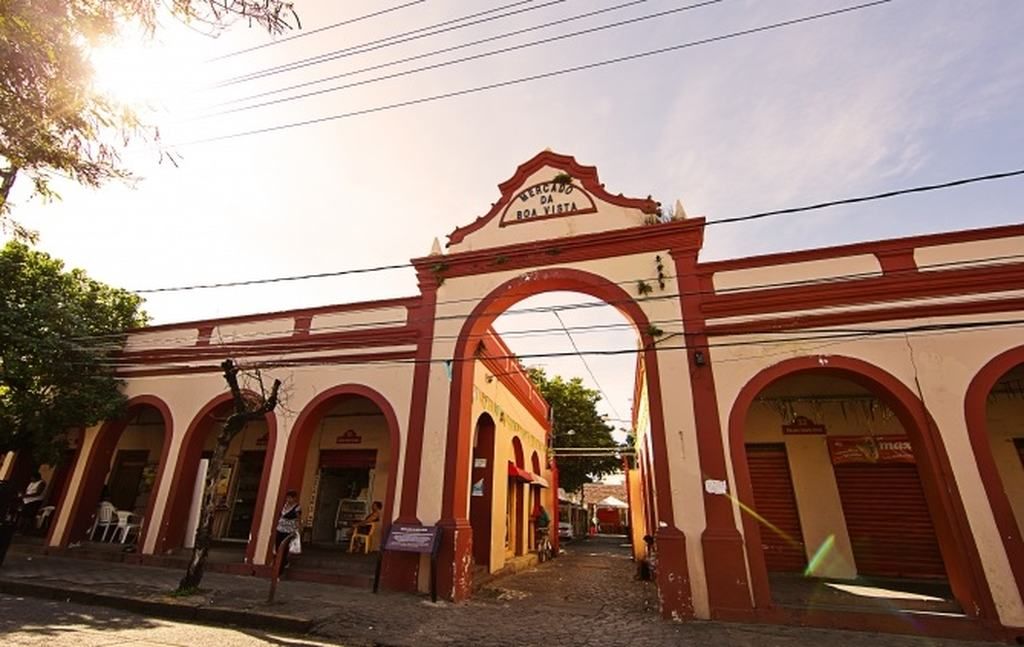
(302, 434)
(172, 528)
(673, 576)
(959, 552)
(975, 401)
(100, 453)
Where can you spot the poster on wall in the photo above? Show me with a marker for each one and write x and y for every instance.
(870, 449)
(478, 488)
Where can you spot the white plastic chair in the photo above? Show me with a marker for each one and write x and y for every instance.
(124, 517)
(104, 519)
(126, 527)
(43, 516)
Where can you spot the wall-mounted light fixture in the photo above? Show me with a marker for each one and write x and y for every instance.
(698, 358)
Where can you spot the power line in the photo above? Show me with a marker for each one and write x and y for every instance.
(457, 61)
(443, 50)
(389, 41)
(542, 75)
(318, 30)
(720, 221)
(841, 335)
(586, 365)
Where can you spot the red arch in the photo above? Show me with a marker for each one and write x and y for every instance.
(172, 526)
(302, 434)
(98, 463)
(959, 552)
(673, 575)
(977, 430)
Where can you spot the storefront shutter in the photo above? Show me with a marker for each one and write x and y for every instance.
(888, 520)
(774, 500)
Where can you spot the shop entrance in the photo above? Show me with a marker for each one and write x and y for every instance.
(344, 483)
(837, 500)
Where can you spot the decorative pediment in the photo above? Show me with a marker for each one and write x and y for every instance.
(551, 196)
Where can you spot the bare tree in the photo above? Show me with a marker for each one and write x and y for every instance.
(248, 407)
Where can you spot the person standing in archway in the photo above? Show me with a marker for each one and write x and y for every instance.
(288, 523)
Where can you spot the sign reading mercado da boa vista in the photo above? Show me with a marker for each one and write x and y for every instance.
(546, 200)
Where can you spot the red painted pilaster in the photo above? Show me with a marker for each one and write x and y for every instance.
(724, 563)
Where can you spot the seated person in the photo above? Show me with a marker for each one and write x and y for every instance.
(31, 501)
(365, 526)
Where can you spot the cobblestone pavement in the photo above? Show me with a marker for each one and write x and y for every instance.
(30, 623)
(586, 597)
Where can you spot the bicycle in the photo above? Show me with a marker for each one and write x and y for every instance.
(544, 550)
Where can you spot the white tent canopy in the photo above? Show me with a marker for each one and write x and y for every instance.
(612, 502)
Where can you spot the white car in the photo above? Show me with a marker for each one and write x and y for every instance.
(565, 530)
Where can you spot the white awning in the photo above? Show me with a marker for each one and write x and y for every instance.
(612, 502)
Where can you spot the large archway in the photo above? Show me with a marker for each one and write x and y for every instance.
(246, 472)
(993, 410)
(958, 551)
(340, 451)
(125, 462)
(673, 580)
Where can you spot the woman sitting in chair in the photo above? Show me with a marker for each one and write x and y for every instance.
(364, 529)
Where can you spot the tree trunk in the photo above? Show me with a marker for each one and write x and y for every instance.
(7, 178)
(204, 533)
(243, 414)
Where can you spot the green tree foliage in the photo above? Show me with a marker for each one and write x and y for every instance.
(52, 120)
(59, 331)
(575, 411)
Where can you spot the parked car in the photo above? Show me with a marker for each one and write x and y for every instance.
(565, 530)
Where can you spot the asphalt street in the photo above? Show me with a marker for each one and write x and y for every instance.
(29, 621)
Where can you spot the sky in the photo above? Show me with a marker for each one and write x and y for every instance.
(892, 96)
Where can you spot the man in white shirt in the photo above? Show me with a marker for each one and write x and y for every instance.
(31, 501)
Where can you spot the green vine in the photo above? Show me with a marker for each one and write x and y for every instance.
(654, 331)
(643, 288)
(661, 271)
(500, 259)
(553, 251)
(563, 178)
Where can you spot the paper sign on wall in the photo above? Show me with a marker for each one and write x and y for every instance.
(870, 449)
(478, 488)
(479, 463)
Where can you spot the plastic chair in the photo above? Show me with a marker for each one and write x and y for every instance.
(104, 518)
(367, 532)
(124, 518)
(43, 517)
(128, 528)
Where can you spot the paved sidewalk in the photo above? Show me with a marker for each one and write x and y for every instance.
(586, 597)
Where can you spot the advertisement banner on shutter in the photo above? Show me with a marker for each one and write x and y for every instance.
(870, 449)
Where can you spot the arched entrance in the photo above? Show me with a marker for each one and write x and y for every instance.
(342, 456)
(673, 580)
(124, 466)
(244, 477)
(838, 374)
(994, 412)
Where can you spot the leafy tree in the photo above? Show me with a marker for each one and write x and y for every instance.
(576, 424)
(59, 334)
(52, 120)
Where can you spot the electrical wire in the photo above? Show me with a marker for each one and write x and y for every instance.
(341, 23)
(539, 76)
(586, 365)
(389, 41)
(435, 52)
(457, 61)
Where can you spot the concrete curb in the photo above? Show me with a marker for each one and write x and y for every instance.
(212, 615)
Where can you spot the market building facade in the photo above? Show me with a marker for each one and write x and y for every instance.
(783, 403)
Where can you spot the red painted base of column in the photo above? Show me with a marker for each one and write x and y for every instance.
(725, 569)
(400, 572)
(673, 575)
(455, 560)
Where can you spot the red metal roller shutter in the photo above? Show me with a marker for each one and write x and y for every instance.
(774, 500)
(888, 520)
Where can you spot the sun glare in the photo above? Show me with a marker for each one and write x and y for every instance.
(141, 73)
